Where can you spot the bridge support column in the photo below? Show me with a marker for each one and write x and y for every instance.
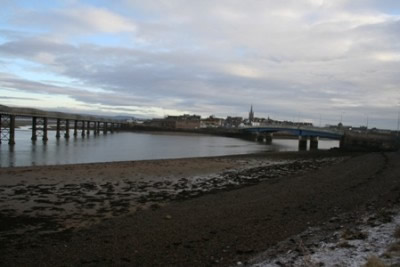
(97, 127)
(45, 130)
(34, 127)
(58, 128)
(302, 143)
(7, 128)
(314, 142)
(75, 128)
(66, 135)
(268, 138)
(83, 129)
(259, 137)
(104, 127)
(112, 128)
(88, 128)
(11, 140)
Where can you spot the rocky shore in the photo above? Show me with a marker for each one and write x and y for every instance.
(200, 211)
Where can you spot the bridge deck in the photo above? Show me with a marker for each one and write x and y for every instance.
(31, 112)
(298, 130)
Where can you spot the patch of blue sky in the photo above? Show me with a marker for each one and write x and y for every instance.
(392, 11)
(122, 40)
(11, 32)
(40, 5)
(22, 68)
(4, 17)
(119, 8)
(390, 7)
(3, 39)
(35, 72)
(241, 51)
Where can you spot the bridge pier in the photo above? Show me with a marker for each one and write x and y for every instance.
(259, 137)
(302, 143)
(75, 128)
(88, 128)
(45, 120)
(98, 128)
(94, 128)
(112, 128)
(314, 142)
(58, 129)
(66, 135)
(34, 127)
(104, 127)
(7, 128)
(268, 138)
(11, 140)
(83, 129)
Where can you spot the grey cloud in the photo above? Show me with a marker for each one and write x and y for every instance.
(16, 83)
(18, 98)
(155, 77)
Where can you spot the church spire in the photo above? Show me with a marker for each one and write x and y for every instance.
(251, 114)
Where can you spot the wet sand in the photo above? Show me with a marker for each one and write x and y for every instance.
(182, 212)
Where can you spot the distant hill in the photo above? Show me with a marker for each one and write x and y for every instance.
(123, 118)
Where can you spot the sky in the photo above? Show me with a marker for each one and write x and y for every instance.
(315, 61)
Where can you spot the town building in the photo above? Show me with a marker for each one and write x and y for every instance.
(233, 122)
(211, 122)
(185, 121)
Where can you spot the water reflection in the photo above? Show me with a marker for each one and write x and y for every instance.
(130, 146)
(11, 153)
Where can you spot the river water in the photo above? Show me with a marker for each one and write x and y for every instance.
(125, 146)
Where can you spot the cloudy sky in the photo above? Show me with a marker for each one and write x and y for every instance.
(305, 60)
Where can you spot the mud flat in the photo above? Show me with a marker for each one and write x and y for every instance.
(199, 212)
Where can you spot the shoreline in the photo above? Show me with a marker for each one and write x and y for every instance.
(276, 154)
(230, 195)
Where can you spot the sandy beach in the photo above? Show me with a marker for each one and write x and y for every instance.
(199, 211)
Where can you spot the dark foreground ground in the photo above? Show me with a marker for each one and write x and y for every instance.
(221, 227)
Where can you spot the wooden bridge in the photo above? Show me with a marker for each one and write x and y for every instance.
(64, 123)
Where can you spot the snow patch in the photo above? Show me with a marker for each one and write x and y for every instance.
(343, 252)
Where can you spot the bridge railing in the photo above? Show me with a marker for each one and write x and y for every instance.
(297, 127)
(31, 112)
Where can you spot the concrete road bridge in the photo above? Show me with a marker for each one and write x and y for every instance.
(265, 133)
(64, 122)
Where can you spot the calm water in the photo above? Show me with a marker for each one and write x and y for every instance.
(125, 146)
